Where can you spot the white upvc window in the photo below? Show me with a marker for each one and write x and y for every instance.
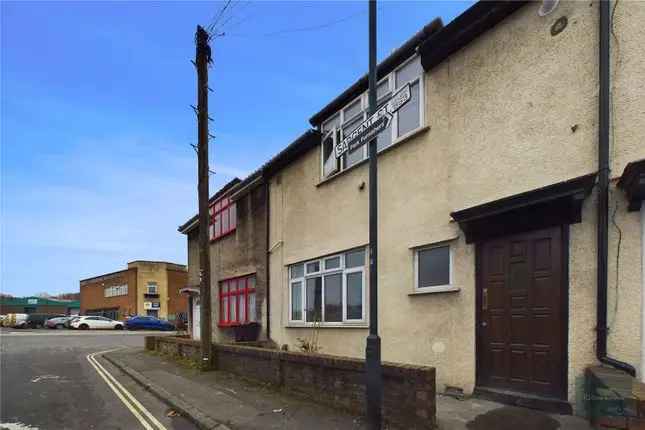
(116, 290)
(328, 291)
(406, 121)
(433, 267)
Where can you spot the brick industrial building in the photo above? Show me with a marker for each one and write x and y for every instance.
(144, 288)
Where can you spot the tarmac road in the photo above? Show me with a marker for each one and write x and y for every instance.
(48, 382)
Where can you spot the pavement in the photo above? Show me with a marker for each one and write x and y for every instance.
(478, 414)
(213, 399)
(219, 398)
(48, 382)
(62, 379)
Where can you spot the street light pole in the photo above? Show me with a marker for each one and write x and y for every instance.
(373, 369)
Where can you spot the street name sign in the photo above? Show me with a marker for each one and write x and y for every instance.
(373, 125)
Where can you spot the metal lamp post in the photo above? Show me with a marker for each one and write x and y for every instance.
(373, 369)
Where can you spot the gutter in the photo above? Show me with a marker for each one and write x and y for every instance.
(642, 211)
(603, 192)
(245, 188)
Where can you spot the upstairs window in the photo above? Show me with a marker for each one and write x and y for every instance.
(408, 119)
(116, 290)
(331, 133)
(152, 288)
(223, 218)
(329, 290)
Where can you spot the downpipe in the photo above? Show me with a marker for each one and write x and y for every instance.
(642, 213)
(603, 191)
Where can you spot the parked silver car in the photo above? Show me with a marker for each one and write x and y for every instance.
(57, 323)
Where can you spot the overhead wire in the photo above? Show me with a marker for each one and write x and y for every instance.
(218, 16)
(223, 27)
(302, 29)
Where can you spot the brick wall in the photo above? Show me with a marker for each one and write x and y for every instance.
(93, 293)
(408, 391)
(177, 279)
(175, 347)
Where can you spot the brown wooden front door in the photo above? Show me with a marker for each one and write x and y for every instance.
(522, 313)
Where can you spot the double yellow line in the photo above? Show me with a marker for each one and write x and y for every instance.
(137, 409)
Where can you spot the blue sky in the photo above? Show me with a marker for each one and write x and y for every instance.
(95, 127)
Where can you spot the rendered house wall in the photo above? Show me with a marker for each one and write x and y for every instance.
(513, 111)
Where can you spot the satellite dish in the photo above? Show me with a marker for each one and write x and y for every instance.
(547, 7)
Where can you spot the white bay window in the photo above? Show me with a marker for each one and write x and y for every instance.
(407, 120)
(328, 290)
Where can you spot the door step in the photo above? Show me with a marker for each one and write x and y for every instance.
(514, 398)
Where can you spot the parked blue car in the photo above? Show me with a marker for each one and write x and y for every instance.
(147, 323)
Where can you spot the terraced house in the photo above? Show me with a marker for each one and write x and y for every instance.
(237, 230)
(510, 248)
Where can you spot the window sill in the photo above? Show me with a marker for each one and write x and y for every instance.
(435, 290)
(396, 143)
(236, 324)
(222, 236)
(342, 326)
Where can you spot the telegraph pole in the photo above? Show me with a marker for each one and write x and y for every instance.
(373, 349)
(202, 59)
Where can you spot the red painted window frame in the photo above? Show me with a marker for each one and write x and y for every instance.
(222, 207)
(244, 293)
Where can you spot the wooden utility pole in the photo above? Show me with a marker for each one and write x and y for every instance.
(202, 60)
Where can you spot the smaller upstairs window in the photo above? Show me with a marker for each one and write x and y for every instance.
(222, 218)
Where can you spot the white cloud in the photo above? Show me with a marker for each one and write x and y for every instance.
(97, 209)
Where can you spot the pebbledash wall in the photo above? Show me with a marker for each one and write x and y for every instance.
(513, 111)
(239, 254)
(408, 391)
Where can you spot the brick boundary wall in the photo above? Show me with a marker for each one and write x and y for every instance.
(408, 390)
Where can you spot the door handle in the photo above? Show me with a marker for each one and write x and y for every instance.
(485, 299)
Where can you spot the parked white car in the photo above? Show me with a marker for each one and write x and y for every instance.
(96, 322)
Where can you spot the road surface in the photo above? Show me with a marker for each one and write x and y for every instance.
(54, 379)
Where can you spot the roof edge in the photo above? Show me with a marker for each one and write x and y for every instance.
(192, 222)
(390, 62)
(93, 278)
(303, 143)
(465, 28)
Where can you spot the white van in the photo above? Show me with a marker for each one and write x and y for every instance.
(15, 320)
